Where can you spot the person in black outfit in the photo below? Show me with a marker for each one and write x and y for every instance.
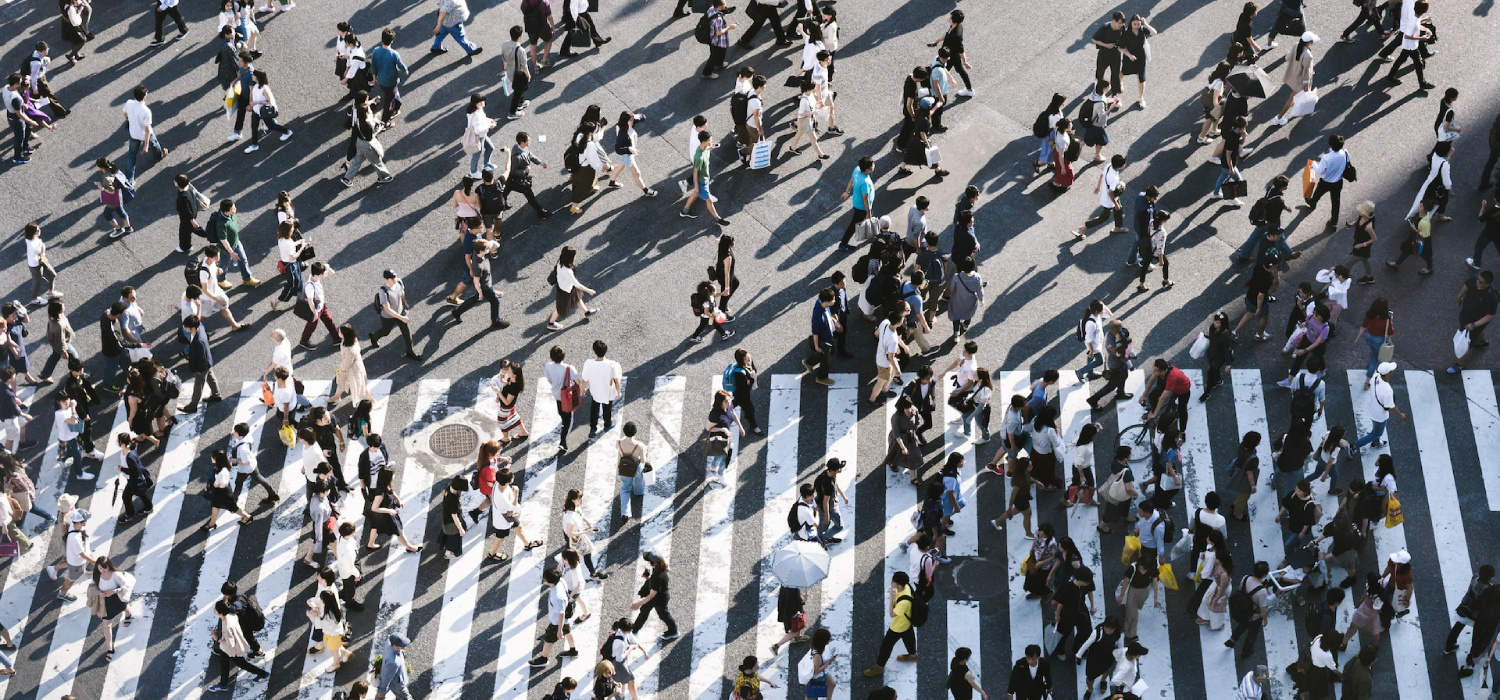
(1489, 163)
(138, 481)
(1220, 353)
(655, 596)
(1031, 678)
(1072, 613)
(761, 12)
(910, 94)
(953, 40)
(1107, 39)
(482, 281)
(574, 21)
(80, 387)
(163, 11)
(840, 311)
(744, 376)
(519, 179)
(227, 57)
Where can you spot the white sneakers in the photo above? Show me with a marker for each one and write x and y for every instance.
(965, 93)
(287, 135)
(252, 148)
(233, 136)
(1279, 121)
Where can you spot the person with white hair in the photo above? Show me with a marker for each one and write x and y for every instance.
(1256, 685)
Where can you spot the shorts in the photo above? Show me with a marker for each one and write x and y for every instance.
(626, 159)
(540, 34)
(491, 220)
(498, 532)
(553, 633)
(884, 373)
(75, 573)
(1250, 309)
(703, 191)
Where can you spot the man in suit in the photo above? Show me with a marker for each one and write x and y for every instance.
(201, 361)
(1031, 679)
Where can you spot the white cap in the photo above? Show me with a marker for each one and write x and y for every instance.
(79, 515)
(1309, 38)
(1385, 368)
(1401, 557)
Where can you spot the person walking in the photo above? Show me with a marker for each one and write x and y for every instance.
(1234, 149)
(1364, 240)
(221, 492)
(601, 381)
(351, 379)
(1380, 404)
(718, 39)
(1111, 190)
(201, 362)
(224, 227)
(1107, 39)
(190, 203)
(263, 109)
(958, 61)
(40, 267)
(536, 16)
(1155, 249)
(366, 147)
(563, 377)
(114, 588)
(138, 479)
(242, 459)
(450, 22)
(1299, 73)
(519, 178)
(699, 185)
(317, 305)
(1135, 50)
(394, 312)
(762, 12)
(142, 135)
(1413, 36)
(389, 71)
(1489, 215)
(899, 611)
(654, 596)
(476, 142)
(861, 192)
(1220, 353)
(625, 148)
(1031, 677)
(1477, 301)
(231, 646)
(1330, 169)
(825, 326)
(578, 21)
(1245, 617)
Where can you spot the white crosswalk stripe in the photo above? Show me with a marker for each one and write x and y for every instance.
(1484, 418)
(707, 603)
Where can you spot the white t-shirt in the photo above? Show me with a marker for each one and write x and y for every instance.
(285, 396)
(598, 374)
(344, 558)
(1093, 331)
(557, 603)
(243, 450)
(76, 548)
(312, 456)
(968, 371)
(885, 345)
(139, 116)
(810, 54)
(914, 563)
(502, 501)
(1111, 181)
(261, 92)
(571, 517)
(566, 280)
(806, 104)
(34, 249)
(1381, 400)
(1213, 520)
(281, 355)
(1411, 25)
(65, 432)
(752, 107)
(286, 249)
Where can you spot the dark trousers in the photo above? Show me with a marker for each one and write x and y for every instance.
(1213, 378)
(1114, 383)
(1489, 168)
(86, 438)
(908, 126)
(386, 324)
(1106, 60)
(957, 66)
(131, 493)
(240, 479)
(240, 106)
(1480, 243)
(185, 229)
(176, 16)
(513, 185)
(595, 407)
(1417, 63)
(1144, 269)
(346, 590)
(292, 282)
(485, 294)
(857, 216)
(822, 360)
(715, 62)
(1117, 213)
(768, 13)
(747, 408)
(1074, 625)
(327, 318)
(518, 94)
(22, 131)
(1335, 192)
(584, 23)
(888, 644)
(271, 125)
(661, 612)
(1366, 14)
(1426, 253)
(453, 544)
(1240, 629)
(567, 421)
(1458, 628)
(390, 100)
(228, 663)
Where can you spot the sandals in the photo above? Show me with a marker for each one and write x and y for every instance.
(583, 618)
(108, 656)
(414, 550)
(128, 619)
(496, 557)
(533, 545)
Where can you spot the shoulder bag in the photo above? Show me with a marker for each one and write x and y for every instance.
(1387, 348)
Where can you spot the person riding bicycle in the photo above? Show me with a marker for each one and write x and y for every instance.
(1167, 384)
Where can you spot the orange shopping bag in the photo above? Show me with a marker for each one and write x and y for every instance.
(1309, 180)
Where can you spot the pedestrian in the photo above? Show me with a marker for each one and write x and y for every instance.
(1167, 384)
(112, 189)
(1020, 496)
(1330, 169)
(351, 378)
(825, 327)
(243, 81)
(13, 318)
(631, 467)
(578, 530)
(519, 179)
(1157, 252)
(454, 526)
(316, 301)
(1483, 580)
(1234, 150)
(578, 22)
(861, 189)
(263, 109)
(384, 511)
(1489, 215)
(1097, 653)
(654, 596)
(1380, 405)
(327, 617)
(1419, 240)
(60, 337)
(142, 135)
(1257, 298)
(899, 610)
(808, 108)
(221, 491)
(705, 307)
(1413, 37)
(242, 459)
(1031, 677)
(1246, 615)
(1132, 593)
(1111, 190)
(201, 362)
(1299, 72)
(1256, 684)
(509, 384)
(190, 203)
(389, 72)
(625, 148)
(763, 11)
(1135, 49)
(231, 646)
(114, 588)
(1375, 612)
(1477, 301)
(1212, 99)
(1369, 13)
(363, 131)
(1093, 116)
(1065, 149)
(476, 142)
(394, 312)
(450, 22)
(77, 554)
(395, 679)
(1364, 239)
(965, 295)
(718, 39)
(1108, 39)
(75, 26)
(699, 185)
(601, 381)
(22, 124)
(536, 15)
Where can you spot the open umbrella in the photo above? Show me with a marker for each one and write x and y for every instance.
(800, 564)
(1251, 81)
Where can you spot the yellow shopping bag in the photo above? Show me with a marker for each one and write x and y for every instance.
(1168, 578)
(231, 95)
(1393, 515)
(1026, 565)
(288, 435)
(1132, 550)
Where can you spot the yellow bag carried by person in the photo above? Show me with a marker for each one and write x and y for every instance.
(1132, 550)
(288, 434)
(1026, 565)
(232, 94)
(1393, 515)
(1168, 578)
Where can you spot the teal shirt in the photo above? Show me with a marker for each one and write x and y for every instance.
(700, 165)
(863, 186)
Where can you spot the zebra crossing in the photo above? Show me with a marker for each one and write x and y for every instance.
(476, 623)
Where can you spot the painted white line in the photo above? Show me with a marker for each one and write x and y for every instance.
(783, 421)
(1082, 520)
(524, 582)
(965, 522)
(1198, 480)
(1025, 615)
(964, 631)
(657, 510)
(1484, 418)
(1436, 467)
(711, 604)
(901, 500)
(1151, 625)
(838, 589)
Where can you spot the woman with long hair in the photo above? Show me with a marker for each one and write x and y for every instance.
(1364, 240)
(625, 148)
(385, 513)
(1053, 115)
(577, 528)
(709, 316)
(508, 386)
(465, 202)
(1327, 456)
(822, 663)
(723, 274)
(327, 616)
(1020, 497)
(1212, 102)
(351, 378)
(221, 491)
(60, 336)
(1220, 352)
(476, 140)
(1299, 73)
(584, 179)
(288, 252)
(1137, 53)
(140, 406)
(114, 587)
(1377, 326)
(263, 109)
(569, 290)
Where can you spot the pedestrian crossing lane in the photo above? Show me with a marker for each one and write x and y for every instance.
(460, 583)
(965, 543)
(784, 420)
(901, 502)
(1198, 480)
(1026, 623)
(1156, 667)
(837, 591)
(658, 509)
(1083, 520)
(1484, 419)
(711, 607)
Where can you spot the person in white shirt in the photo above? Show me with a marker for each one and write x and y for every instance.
(345, 553)
(1110, 189)
(163, 10)
(1338, 280)
(68, 427)
(601, 380)
(569, 290)
(1437, 185)
(77, 553)
(557, 618)
(1094, 344)
(505, 515)
(263, 109)
(887, 365)
(312, 291)
(477, 136)
(1330, 169)
(560, 374)
(807, 106)
(1380, 405)
(142, 135)
(242, 458)
(1413, 34)
(281, 354)
(41, 269)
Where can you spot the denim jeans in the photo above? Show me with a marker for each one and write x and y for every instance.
(1376, 431)
(1255, 245)
(715, 466)
(1373, 342)
(486, 149)
(982, 414)
(114, 367)
(75, 453)
(1331, 466)
(51, 364)
(630, 485)
(1094, 363)
(457, 32)
(243, 264)
(293, 279)
(834, 525)
(135, 152)
(1286, 482)
(1045, 156)
(1224, 175)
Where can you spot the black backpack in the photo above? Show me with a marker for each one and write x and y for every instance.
(252, 618)
(1241, 602)
(739, 108)
(1313, 622)
(606, 651)
(491, 199)
(1169, 528)
(1258, 211)
(1041, 127)
(861, 272)
(1085, 114)
(1082, 334)
(794, 523)
(1305, 401)
(571, 157)
(925, 589)
(918, 610)
(190, 272)
(704, 31)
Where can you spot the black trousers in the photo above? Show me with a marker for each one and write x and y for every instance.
(1240, 630)
(857, 216)
(908, 126)
(162, 15)
(1335, 192)
(747, 408)
(1106, 60)
(956, 65)
(390, 101)
(518, 93)
(768, 14)
(240, 479)
(595, 408)
(485, 294)
(524, 187)
(86, 438)
(228, 663)
(185, 229)
(1489, 168)
(888, 644)
(1114, 383)
(661, 612)
(386, 324)
(822, 360)
(271, 125)
(583, 22)
(567, 421)
(131, 493)
(1076, 627)
(346, 589)
(715, 61)
(240, 106)
(1366, 14)
(1417, 63)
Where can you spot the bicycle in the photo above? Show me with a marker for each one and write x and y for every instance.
(1140, 438)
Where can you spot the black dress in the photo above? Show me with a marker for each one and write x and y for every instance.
(1136, 45)
(385, 523)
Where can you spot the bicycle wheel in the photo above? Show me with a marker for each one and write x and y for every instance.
(1138, 439)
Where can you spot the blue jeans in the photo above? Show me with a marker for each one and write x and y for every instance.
(1286, 482)
(51, 364)
(457, 32)
(1374, 435)
(984, 423)
(486, 149)
(1094, 363)
(76, 454)
(114, 367)
(293, 278)
(1255, 245)
(135, 152)
(1373, 342)
(1331, 466)
(835, 525)
(5, 660)
(243, 264)
(1046, 155)
(715, 466)
(1224, 174)
(630, 485)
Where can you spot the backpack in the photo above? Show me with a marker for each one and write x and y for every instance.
(1041, 127)
(794, 523)
(605, 651)
(1241, 602)
(172, 385)
(729, 373)
(571, 157)
(918, 610)
(1085, 114)
(1313, 622)
(861, 272)
(252, 618)
(1169, 528)
(1206, 98)
(739, 108)
(491, 199)
(1258, 211)
(127, 190)
(190, 272)
(1305, 401)
(704, 31)
(1082, 334)
(925, 589)
(1074, 149)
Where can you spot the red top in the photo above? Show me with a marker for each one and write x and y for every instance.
(487, 479)
(1377, 327)
(1177, 382)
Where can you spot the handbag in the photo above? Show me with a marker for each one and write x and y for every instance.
(1167, 482)
(648, 475)
(799, 622)
(1132, 550)
(288, 434)
(1114, 489)
(1461, 343)
(571, 394)
(1393, 516)
(1304, 103)
(1168, 578)
(267, 397)
(1199, 348)
(1309, 180)
(1026, 565)
(9, 548)
(1387, 348)
(934, 156)
(1051, 637)
(792, 81)
(579, 38)
(760, 155)
(96, 602)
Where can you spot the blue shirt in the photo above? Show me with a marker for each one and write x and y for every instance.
(863, 186)
(387, 64)
(822, 323)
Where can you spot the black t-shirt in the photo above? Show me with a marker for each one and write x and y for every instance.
(1299, 512)
(1260, 283)
(481, 265)
(954, 40)
(1233, 141)
(1109, 35)
(909, 93)
(1477, 303)
(823, 486)
(659, 581)
(452, 506)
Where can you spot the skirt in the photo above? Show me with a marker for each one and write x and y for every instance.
(224, 500)
(113, 606)
(1215, 619)
(333, 642)
(1095, 136)
(509, 418)
(916, 154)
(583, 183)
(1367, 619)
(623, 674)
(567, 301)
(385, 524)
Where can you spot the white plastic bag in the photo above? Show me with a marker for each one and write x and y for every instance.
(648, 475)
(934, 156)
(805, 668)
(1200, 347)
(1303, 103)
(1461, 343)
(760, 155)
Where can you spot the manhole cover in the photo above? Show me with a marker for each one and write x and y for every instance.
(453, 441)
(980, 578)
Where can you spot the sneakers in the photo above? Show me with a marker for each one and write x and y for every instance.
(388, 178)
(1285, 383)
(670, 637)
(722, 222)
(1365, 280)
(515, 115)
(233, 136)
(650, 192)
(216, 688)
(726, 335)
(51, 572)
(345, 182)
(570, 652)
(614, 184)
(156, 43)
(965, 93)
(1279, 121)
(1216, 160)
(68, 597)
(252, 282)
(252, 148)
(1455, 369)
(537, 662)
(687, 215)
(906, 657)
(287, 135)
(1471, 263)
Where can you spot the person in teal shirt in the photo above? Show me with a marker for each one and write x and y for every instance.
(862, 189)
(390, 70)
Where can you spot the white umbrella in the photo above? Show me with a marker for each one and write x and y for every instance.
(800, 564)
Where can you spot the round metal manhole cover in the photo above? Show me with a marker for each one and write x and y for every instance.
(453, 441)
(980, 578)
